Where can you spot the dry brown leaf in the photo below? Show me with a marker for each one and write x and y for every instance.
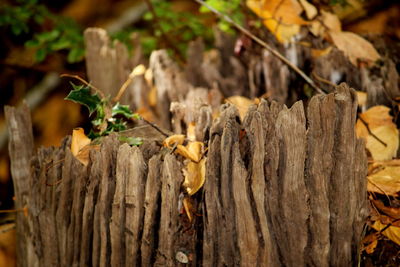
(331, 21)
(192, 151)
(386, 181)
(191, 131)
(172, 140)
(241, 103)
(370, 242)
(187, 206)
(390, 211)
(311, 10)
(354, 47)
(281, 17)
(79, 140)
(381, 125)
(392, 232)
(195, 174)
(361, 98)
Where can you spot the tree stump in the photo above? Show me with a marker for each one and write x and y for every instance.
(290, 192)
(284, 186)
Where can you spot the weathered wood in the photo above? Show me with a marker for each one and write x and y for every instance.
(281, 189)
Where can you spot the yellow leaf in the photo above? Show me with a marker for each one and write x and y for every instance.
(386, 181)
(193, 150)
(172, 140)
(241, 103)
(331, 21)
(380, 123)
(195, 174)
(281, 17)
(80, 146)
(392, 232)
(191, 131)
(361, 98)
(311, 10)
(354, 47)
(137, 71)
(187, 205)
(370, 242)
(79, 140)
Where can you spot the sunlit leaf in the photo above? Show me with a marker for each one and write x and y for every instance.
(386, 181)
(392, 232)
(172, 140)
(381, 125)
(195, 174)
(241, 103)
(78, 143)
(354, 47)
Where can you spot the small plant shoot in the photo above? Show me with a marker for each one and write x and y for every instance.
(106, 118)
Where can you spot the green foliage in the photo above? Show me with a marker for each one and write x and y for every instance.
(231, 8)
(64, 34)
(177, 27)
(106, 119)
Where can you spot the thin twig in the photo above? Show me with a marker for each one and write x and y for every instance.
(155, 127)
(319, 78)
(122, 89)
(85, 83)
(370, 132)
(265, 45)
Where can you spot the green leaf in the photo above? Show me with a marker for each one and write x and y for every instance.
(32, 43)
(40, 54)
(48, 36)
(84, 97)
(132, 141)
(75, 55)
(123, 110)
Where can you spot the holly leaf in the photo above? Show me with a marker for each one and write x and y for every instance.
(122, 110)
(83, 96)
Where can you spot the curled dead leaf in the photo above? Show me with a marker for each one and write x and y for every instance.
(192, 151)
(80, 146)
(172, 140)
(194, 174)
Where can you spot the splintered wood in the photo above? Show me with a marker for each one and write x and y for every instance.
(283, 187)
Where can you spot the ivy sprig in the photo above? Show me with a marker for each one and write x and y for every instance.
(107, 118)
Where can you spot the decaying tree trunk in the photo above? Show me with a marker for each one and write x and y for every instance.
(284, 186)
(291, 192)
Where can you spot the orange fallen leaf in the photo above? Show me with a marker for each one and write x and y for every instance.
(194, 174)
(241, 103)
(80, 146)
(281, 17)
(172, 140)
(370, 242)
(187, 206)
(354, 47)
(192, 151)
(392, 232)
(79, 140)
(381, 125)
(386, 181)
